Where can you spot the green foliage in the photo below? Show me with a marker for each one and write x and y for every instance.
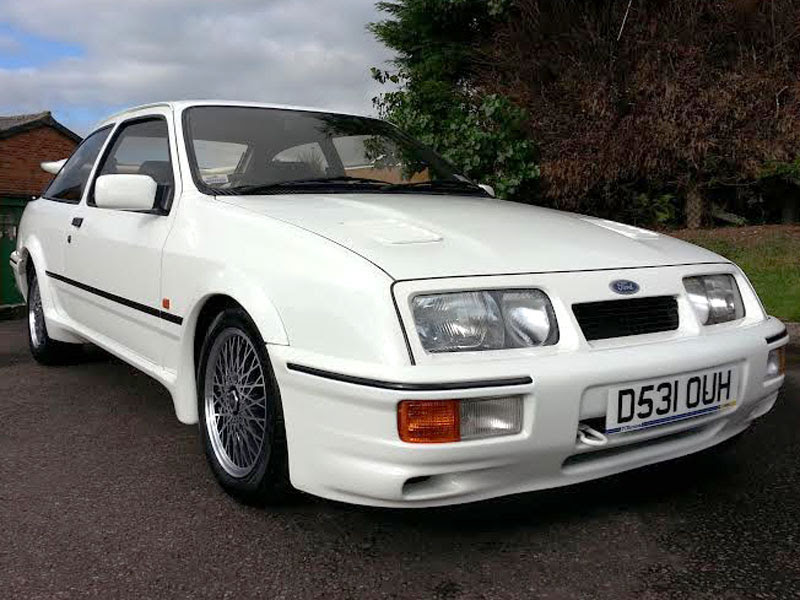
(768, 256)
(639, 203)
(661, 209)
(786, 171)
(482, 134)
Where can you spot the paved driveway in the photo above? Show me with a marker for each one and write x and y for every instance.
(104, 494)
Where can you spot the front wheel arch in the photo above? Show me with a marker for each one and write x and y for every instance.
(266, 481)
(196, 322)
(209, 310)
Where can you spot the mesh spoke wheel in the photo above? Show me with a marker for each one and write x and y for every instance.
(36, 316)
(235, 395)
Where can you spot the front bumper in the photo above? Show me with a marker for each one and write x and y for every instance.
(344, 445)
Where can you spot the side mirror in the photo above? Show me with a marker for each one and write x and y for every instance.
(487, 188)
(53, 167)
(125, 192)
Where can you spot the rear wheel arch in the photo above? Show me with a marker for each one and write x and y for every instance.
(32, 262)
(27, 267)
(45, 349)
(32, 259)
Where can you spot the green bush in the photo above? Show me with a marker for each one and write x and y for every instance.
(482, 134)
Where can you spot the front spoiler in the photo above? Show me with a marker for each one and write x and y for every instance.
(343, 441)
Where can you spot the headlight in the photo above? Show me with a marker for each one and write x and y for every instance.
(715, 298)
(484, 320)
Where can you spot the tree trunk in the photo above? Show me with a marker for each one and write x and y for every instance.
(791, 207)
(694, 208)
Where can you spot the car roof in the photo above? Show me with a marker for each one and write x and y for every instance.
(180, 105)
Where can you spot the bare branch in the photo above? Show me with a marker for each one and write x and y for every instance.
(624, 19)
(778, 100)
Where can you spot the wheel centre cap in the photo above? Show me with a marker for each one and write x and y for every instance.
(234, 395)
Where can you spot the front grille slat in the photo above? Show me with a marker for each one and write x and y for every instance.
(632, 316)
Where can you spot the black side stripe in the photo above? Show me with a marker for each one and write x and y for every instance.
(777, 337)
(155, 312)
(411, 387)
(11, 258)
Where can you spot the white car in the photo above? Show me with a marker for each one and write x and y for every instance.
(344, 314)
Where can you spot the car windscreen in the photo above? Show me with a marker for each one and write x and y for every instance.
(252, 150)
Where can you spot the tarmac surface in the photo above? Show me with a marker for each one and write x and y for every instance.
(104, 494)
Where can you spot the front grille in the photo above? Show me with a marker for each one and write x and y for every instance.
(633, 316)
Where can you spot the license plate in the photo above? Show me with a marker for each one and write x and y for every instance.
(660, 401)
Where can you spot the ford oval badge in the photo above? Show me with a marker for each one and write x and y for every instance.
(624, 286)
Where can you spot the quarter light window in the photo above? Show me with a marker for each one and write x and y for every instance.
(71, 180)
(141, 147)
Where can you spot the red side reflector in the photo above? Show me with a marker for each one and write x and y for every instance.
(429, 421)
(165, 303)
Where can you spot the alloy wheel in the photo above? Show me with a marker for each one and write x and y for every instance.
(235, 402)
(36, 316)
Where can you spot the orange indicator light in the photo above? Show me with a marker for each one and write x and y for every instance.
(429, 421)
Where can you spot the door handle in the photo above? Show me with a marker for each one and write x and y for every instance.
(77, 221)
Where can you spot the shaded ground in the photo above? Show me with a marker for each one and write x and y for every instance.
(104, 494)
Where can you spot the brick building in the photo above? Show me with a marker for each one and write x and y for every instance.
(25, 141)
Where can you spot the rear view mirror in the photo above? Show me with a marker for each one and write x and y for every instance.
(125, 192)
(53, 166)
(487, 188)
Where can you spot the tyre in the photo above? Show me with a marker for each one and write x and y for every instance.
(241, 416)
(45, 350)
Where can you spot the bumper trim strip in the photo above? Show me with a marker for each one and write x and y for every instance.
(410, 387)
(777, 337)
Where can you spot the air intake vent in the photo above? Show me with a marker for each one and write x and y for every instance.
(619, 318)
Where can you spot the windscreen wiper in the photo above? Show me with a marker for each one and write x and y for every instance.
(313, 183)
(436, 184)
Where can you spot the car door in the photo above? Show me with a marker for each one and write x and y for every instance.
(113, 259)
(52, 214)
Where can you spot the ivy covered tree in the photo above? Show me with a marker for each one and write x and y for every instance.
(433, 97)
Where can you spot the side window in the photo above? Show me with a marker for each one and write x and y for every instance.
(352, 151)
(218, 161)
(141, 147)
(374, 157)
(71, 180)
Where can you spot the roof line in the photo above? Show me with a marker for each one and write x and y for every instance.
(134, 109)
(178, 105)
(44, 119)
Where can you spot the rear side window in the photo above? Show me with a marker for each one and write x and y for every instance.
(141, 147)
(353, 150)
(71, 180)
